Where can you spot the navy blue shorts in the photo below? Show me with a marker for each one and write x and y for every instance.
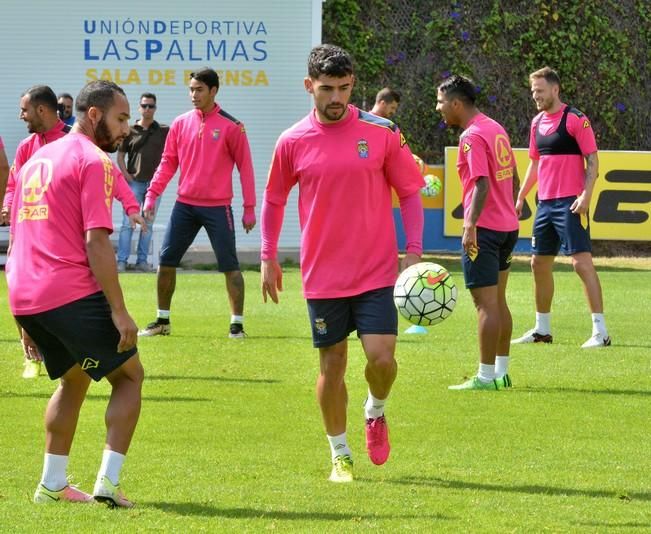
(372, 312)
(557, 228)
(495, 251)
(185, 223)
(79, 332)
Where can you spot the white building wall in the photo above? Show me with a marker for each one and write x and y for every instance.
(261, 48)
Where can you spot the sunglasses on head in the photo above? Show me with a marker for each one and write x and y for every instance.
(148, 106)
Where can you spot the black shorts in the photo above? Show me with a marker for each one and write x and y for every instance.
(372, 312)
(184, 225)
(79, 332)
(495, 250)
(557, 228)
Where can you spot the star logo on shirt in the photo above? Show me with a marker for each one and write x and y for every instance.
(466, 148)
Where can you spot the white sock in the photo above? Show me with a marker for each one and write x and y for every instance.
(338, 445)
(486, 372)
(501, 366)
(163, 314)
(374, 408)
(543, 323)
(55, 468)
(599, 324)
(111, 465)
(237, 319)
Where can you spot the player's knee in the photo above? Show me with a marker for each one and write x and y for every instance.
(333, 365)
(165, 271)
(235, 278)
(137, 374)
(582, 264)
(130, 373)
(537, 264)
(383, 361)
(75, 381)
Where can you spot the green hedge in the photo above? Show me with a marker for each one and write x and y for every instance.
(601, 49)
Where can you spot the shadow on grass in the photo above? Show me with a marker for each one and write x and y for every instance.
(257, 336)
(531, 489)
(249, 338)
(640, 392)
(206, 510)
(604, 524)
(633, 345)
(145, 398)
(214, 379)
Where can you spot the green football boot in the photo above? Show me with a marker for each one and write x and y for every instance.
(342, 469)
(504, 382)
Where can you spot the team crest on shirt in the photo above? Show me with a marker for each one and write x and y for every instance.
(403, 141)
(466, 147)
(215, 134)
(362, 148)
(242, 129)
(320, 326)
(586, 123)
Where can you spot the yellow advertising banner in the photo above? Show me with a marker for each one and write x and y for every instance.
(621, 201)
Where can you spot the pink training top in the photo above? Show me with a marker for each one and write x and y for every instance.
(562, 175)
(28, 146)
(345, 172)
(485, 150)
(65, 189)
(25, 149)
(205, 146)
(123, 193)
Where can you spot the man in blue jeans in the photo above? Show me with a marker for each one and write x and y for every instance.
(143, 149)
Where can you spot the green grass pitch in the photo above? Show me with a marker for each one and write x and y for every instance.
(230, 437)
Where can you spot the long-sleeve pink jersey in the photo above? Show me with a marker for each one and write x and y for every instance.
(206, 146)
(345, 172)
(26, 148)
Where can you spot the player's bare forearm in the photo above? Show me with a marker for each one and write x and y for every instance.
(591, 172)
(530, 179)
(516, 184)
(479, 195)
(101, 259)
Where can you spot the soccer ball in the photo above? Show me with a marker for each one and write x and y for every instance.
(425, 294)
(432, 186)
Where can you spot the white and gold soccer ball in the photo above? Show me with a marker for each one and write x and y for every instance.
(425, 294)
